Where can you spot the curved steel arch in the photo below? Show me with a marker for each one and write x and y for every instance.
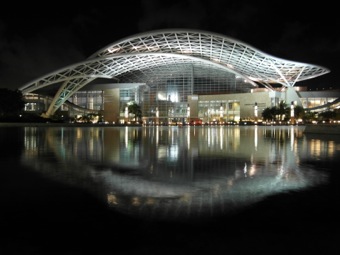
(140, 56)
(236, 55)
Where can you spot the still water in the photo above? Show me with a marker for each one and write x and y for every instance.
(175, 172)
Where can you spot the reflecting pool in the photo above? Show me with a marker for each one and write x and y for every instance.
(176, 172)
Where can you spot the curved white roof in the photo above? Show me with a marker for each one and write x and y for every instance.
(137, 58)
(235, 55)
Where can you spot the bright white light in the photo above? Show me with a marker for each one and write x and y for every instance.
(173, 97)
(292, 110)
(157, 112)
(161, 96)
(111, 50)
(126, 113)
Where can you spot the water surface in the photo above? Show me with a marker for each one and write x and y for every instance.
(168, 190)
(177, 172)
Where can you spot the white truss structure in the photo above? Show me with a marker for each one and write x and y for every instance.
(138, 58)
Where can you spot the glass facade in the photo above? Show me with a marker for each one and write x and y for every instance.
(316, 101)
(34, 103)
(88, 99)
(166, 99)
(219, 111)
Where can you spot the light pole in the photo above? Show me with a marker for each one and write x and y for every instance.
(126, 114)
(256, 112)
(292, 117)
(221, 112)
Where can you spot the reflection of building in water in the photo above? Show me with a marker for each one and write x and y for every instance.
(173, 170)
(168, 146)
(319, 146)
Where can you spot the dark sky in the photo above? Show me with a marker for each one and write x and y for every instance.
(37, 40)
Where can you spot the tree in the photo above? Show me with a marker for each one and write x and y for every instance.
(135, 109)
(268, 113)
(327, 115)
(11, 102)
(282, 110)
(310, 116)
(299, 112)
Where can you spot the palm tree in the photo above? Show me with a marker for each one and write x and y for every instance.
(282, 110)
(268, 113)
(135, 109)
(299, 112)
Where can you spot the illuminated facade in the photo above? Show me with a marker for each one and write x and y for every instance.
(174, 75)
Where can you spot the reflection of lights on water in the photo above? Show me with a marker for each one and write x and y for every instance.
(216, 189)
(320, 148)
(186, 198)
(112, 199)
(172, 154)
(188, 138)
(252, 170)
(172, 186)
(255, 137)
(126, 137)
(202, 196)
(292, 138)
(331, 148)
(150, 201)
(245, 169)
(221, 138)
(136, 201)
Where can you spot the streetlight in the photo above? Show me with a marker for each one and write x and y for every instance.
(256, 111)
(292, 112)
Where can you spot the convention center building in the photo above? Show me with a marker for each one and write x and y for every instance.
(186, 76)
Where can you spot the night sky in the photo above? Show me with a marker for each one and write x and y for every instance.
(37, 40)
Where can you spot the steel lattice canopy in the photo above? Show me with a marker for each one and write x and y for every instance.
(142, 57)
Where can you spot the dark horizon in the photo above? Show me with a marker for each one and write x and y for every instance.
(43, 39)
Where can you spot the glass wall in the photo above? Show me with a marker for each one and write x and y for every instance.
(316, 101)
(219, 111)
(88, 99)
(34, 103)
(167, 97)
